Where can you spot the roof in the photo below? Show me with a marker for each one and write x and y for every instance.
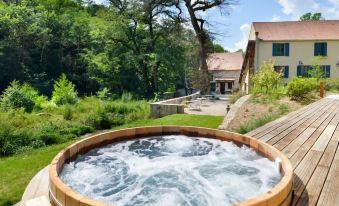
(225, 61)
(297, 30)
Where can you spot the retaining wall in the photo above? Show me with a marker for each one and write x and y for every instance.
(171, 106)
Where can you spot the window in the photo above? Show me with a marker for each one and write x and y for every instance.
(320, 49)
(281, 49)
(284, 70)
(303, 70)
(229, 85)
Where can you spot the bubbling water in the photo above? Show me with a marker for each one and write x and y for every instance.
(171, 170)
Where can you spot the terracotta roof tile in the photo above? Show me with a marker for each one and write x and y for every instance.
(225, 61)
(298, 30)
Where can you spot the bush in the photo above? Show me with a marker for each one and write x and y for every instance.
(103, 94)
(332, 84)
(235, 96)
(300, 87)
(126, 97)
(267, 81)
(68, 113)
(19, 96)
(64, 92)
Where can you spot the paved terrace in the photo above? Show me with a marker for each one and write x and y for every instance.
(309, 137)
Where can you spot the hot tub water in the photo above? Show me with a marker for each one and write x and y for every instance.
(171, 170)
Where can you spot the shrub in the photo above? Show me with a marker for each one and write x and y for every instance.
(235, 96)
(64, 91)
(300, 87)
(253, 124)
(267, 80)
(19, 96)
(67, 113)
(126, 97)
(103, 94)
(332, 84)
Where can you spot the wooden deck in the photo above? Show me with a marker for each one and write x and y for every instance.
(309, 137)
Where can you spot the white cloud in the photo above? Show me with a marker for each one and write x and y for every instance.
(295, 8)
(242, 43)
(276, 18)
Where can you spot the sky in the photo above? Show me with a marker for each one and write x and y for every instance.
(232, 27)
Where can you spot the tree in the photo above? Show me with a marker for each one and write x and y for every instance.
(316, 72)
(266, 80)
(218, 49)
(311, 17)
(198, 24)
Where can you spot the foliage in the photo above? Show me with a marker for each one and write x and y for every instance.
(20, 130)
(103, 94)
(235, 96)
(332, 85)
(133, 49)
(217, 48)
(299, 88)
(18, 96)
(255, 123)
(311, 17)
(316, 71)
(64, 92)
(266, 80)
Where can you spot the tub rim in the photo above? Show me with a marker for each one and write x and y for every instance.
(63, 195)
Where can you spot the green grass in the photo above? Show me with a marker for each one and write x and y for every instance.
(16, 171)
(255, 123)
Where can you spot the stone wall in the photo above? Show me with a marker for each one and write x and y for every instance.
(171, 106)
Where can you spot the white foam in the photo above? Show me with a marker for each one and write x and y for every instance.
(171, 170)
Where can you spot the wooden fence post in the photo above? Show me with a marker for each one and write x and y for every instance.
(321, 89)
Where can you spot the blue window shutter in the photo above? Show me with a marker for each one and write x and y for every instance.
(299, 71)
(287, 49)
(286, 71)
(325, 49)
(315, 49)
(328, 71)
(274, 48)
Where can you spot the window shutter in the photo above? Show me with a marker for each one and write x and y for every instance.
(274, 49)
(315, 49)
(287, 49)
(325, 49)
(299, 71)
(286, 71)
(328, 71)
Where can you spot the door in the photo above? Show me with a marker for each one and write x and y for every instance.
(222, 87)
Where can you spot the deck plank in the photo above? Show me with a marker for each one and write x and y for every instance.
(310, 139)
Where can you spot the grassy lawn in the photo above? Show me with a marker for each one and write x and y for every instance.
(17, 171)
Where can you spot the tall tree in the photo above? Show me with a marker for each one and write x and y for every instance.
(311, 17)
(194, 7)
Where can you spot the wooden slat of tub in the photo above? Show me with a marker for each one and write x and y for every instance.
(272, 125)
(285, 123)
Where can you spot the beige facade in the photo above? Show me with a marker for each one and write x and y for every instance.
(301, 52)
(225, 69)
(225, 81)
